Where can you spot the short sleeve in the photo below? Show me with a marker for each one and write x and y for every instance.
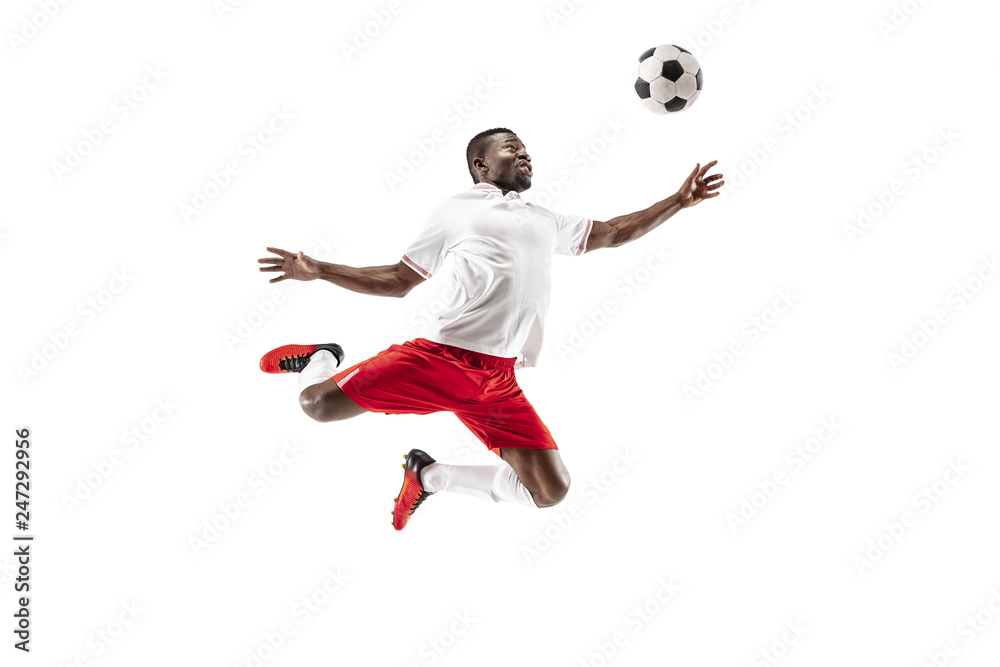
(427, 251)
(571, 232)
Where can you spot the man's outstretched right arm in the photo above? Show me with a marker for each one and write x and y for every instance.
(390, 280)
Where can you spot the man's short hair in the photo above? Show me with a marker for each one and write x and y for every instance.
(478, 147)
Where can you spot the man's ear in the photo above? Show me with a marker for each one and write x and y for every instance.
(479, 164)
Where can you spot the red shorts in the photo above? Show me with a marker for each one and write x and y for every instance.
(420, 377)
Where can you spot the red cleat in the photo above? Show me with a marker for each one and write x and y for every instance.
(412, 492)
(293, 358)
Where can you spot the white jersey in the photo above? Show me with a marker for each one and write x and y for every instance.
(494, 252)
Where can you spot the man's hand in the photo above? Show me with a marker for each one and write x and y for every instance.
(296, 267)
(696, 187)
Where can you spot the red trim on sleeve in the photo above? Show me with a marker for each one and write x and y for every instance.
(586, 235)
(416, 267)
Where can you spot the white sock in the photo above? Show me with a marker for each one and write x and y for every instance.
(321, 367)
(497, 483)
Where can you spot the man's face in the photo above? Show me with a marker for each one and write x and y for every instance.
(508, 165)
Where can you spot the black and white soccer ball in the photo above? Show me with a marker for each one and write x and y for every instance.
(667, 79)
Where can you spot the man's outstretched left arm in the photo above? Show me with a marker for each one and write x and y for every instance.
(618, 231)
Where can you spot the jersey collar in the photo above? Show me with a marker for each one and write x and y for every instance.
(492, 188)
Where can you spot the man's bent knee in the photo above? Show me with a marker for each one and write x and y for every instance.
(313, 405)
(552, 493)
(327, 406)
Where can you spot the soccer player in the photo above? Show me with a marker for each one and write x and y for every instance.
(494, 250)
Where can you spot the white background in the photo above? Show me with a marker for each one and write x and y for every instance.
(191, 317)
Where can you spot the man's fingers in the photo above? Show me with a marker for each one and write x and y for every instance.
(713, 177)
(270, 260)
(277, 280)
(279, 251)
(715, 186)
(270, 268)
(708, 166)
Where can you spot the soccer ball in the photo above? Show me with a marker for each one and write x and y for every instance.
(667, 79)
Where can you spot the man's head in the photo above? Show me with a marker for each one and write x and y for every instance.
(498, 157)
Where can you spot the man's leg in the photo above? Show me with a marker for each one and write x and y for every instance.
(326, 402)
(532, 472)
(529, 477)
(541, 471)
(320, 396)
